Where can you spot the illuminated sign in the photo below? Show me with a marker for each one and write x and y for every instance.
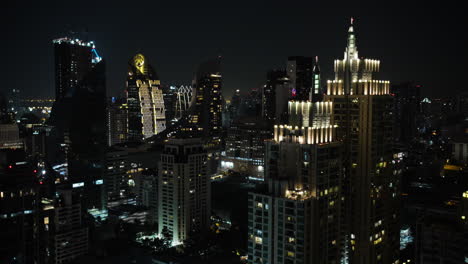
(77, 185)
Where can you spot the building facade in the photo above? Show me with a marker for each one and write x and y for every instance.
(116, 173)
(145, 102)
(183, 189)
(275, 96)
(298, 218)
(117, 126)
(245, 147)
(300, 74)
(207, 102)
(74, 58)
(363, 111)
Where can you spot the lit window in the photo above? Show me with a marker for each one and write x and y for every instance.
(258, 240)
(291, 254)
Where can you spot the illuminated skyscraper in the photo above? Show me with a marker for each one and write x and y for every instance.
(74, 58)
(183, 189)
(117, 128)
(298, 219)
(363, 112)
(146, 114)
(207, 101)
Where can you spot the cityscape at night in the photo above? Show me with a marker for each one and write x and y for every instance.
(241, 133)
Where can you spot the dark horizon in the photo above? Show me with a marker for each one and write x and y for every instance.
(414, 42)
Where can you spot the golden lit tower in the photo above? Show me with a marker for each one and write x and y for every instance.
(363, 112)
(146, 116)
(297, 220)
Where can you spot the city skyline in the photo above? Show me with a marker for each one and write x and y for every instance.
(410, 39)
(257, 133)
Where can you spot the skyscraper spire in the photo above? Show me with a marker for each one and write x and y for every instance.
(316, 68)
(351, 48)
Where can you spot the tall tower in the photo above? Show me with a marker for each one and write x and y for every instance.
(275, 96)
(363, 112)
(298, 218)
(79, 118)
(183, 189)
(74, 58)
(299, 70)
(316, 93)
(207, 101)
(146, 114)
(117, 128)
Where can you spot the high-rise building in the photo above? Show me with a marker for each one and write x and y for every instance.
(116, 172)
(145, 102)
(407, 98)
(86, 137)
(251, 105)
(300, 74)
(275, 96)
(183, 189)
(15, 102)
(10, 137)
(74, 58)
(117, 127)
(363, 111)
(245, 146)
(298, 218)
(80, 136)
(207, 102)
(61, 233)
(146, 185)
(441, 237)
(6, 115)
(169, 97)
(18, 192)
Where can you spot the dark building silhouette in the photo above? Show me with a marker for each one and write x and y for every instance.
(407, 98)
(300, 73)
(251, 105)
(78, 117)
(73, 60)
(170, 98)
(87, 137)
(61, 232)
(275, 96)
(206, 117)
(18, 198)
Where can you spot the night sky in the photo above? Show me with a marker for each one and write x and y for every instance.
(423, 43)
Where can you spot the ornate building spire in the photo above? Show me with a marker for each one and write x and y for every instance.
(351, 51)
